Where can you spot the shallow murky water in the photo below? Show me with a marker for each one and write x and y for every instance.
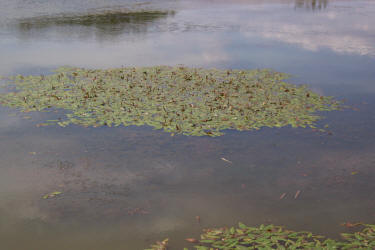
(124, 188)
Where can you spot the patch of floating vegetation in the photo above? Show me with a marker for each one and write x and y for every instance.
(109, 17)
(191, 101)
(275, 237)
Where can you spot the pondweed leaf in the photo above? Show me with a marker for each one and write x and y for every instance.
(51, 195)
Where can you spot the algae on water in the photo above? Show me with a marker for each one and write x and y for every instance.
(191, 101)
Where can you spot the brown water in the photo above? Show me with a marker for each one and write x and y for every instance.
(124, 188)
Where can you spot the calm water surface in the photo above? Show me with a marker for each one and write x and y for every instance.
(124, 188)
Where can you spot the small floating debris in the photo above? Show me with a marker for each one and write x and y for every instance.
(223, 159)
(297, 194)
(350, 225)
(191, 240)
(282, 196)
(42, 125)
(52, 195)
(159, 245)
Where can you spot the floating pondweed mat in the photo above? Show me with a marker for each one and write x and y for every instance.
(276, 237)
(191, 101)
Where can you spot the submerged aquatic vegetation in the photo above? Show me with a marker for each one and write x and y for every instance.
(99, 19)
(276, 237)
(107, 23)
(191, 101)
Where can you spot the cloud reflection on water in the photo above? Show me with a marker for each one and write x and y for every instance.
(342, 27)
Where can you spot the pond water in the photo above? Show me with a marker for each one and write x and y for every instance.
(125, 188)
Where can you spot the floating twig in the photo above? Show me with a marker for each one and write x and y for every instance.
(282, 196)
(297, 194)
(222, 158)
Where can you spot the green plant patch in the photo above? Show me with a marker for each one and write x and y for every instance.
(182, 100)
(101, 19)
(276, 237)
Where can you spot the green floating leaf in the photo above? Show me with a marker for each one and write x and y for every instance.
(51, 195)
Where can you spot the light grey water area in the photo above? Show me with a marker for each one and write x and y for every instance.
(125, 188)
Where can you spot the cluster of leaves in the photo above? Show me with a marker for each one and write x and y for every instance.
(276, 237)
(183, 100)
